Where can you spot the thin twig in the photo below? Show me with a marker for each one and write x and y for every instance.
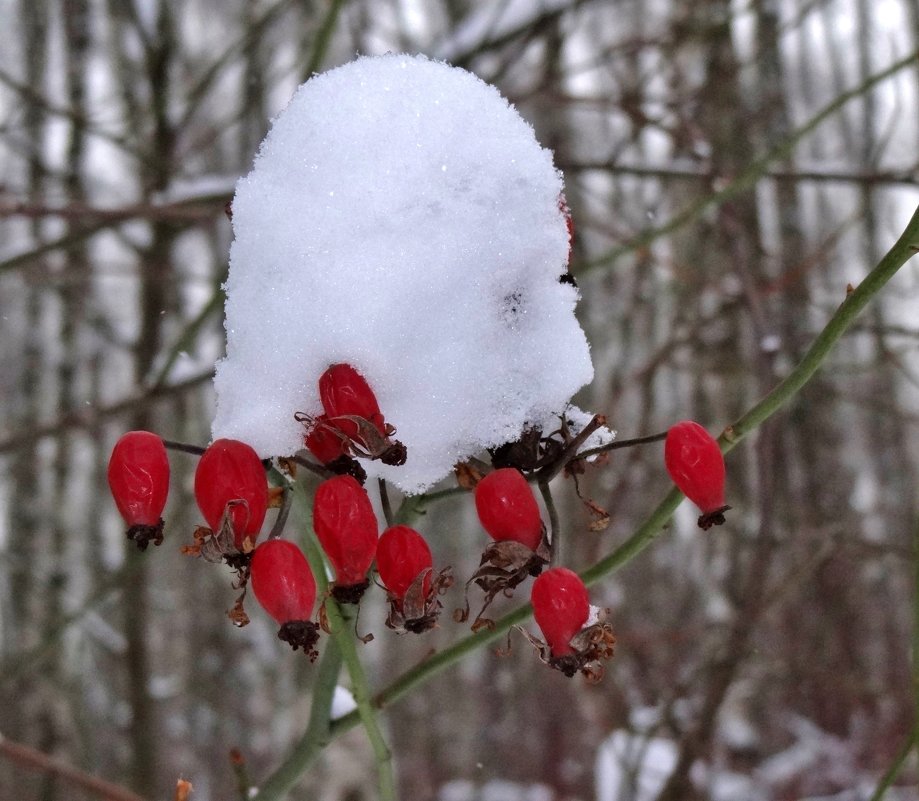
(91, 416)
(35, 760)
(622, 443)
(278, 528)
(554, 528)
(317, 735)
(755, 172)
(570, 454)
(183, 447)
(384, 502)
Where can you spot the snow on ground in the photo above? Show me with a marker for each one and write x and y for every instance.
(633, 766)
(400, 217)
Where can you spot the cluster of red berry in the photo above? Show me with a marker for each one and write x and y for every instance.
(232, 493)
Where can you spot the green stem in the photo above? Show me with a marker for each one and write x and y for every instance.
(906, 246)
(434, 664)
(323, 38)
(341, 622)
(318, 731)
(341, 627)
(554, 527)
(856, 300)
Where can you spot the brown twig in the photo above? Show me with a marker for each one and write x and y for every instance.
(35, 760)
(91, 416)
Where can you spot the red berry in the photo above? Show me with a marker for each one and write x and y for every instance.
(346, 527)
(402, 554)
(345, 392)
(138, 475)
(507, 508)
(230, 473)
(282, 581)
(561, 607)
(696, 465)
(323, 441)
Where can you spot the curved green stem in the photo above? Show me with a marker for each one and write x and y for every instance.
(341, 621)
(905, 247)
(434, 664)
(318, 731)
(341, 624)
(856, 300)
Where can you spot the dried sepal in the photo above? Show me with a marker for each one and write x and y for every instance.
(301, 634)
(142, 534)
(326, 625)
(590, 647)
(467, 476)
(349, 593)
(418, 610)
(237, 614)
(504, 565)
(220, 546)
(713, 518)
(345, 465)
(275, 497)
(367, 443)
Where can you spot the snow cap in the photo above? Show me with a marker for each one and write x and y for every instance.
(400, 217)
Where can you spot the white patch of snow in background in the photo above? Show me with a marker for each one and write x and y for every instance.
(633, 766)
(342, 703)
(400, 217)
(494, 790)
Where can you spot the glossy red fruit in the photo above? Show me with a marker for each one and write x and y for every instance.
(323, 441)
(507, 508)
(696, 465)
(561, 607)
(402, 554)
(230, 476)
(346, 527)
(138, 476)
(345, 392)
(282, 581)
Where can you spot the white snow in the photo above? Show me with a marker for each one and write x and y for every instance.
(342, 703)
(633, 766)
(400, 217)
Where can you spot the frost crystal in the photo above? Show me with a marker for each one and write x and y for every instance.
(400, 217)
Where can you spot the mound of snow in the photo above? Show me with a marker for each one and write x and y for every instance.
(400, 217)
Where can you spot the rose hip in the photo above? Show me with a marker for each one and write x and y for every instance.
(347, 529)
(138, 476)
(284, 585)
(561, 607)
(696, 465)
(402, 555)
(230, 479)
(507, 507)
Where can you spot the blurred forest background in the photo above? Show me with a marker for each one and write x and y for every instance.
(767, 659)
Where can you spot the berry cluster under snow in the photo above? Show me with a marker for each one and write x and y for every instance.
(402, 218)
